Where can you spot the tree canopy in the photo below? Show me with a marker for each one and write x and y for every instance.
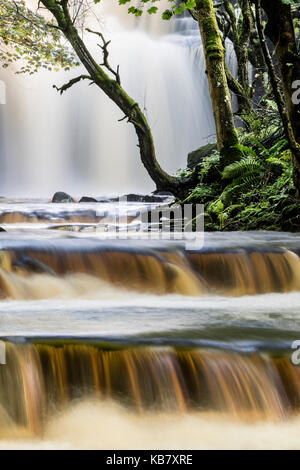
(176, 8)
(28, 39)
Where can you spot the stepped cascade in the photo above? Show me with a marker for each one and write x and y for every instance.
(118, 329)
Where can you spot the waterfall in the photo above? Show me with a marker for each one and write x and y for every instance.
(58, 268)
(110, 337)
(41, 377)
(74, 142)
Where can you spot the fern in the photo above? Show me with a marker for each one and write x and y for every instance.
(245, 167)
(240, 185)
(245, 175)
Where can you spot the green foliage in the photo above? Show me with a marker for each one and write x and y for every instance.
(183, 173)
(176, 8)
(27, 38)
(244, 174)
(256, 193)
(203, 192)
(210, 164)
(291, 2)
(260, 124)
(246, 166)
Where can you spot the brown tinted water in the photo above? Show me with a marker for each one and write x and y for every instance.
(141, 331)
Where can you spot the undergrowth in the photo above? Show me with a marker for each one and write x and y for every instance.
(256, 193)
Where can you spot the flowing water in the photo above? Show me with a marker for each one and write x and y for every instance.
(126, 342)
(142, 334)
(75, 141)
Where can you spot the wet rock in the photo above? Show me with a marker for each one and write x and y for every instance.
(61, 197)
(2, 229)
(198, 155)
(163, 194)
(101, 200)
(88, 199)
(149, 198)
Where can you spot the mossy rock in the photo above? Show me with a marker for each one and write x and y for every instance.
(197, 156)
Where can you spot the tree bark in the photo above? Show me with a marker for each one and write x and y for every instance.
(280, 30)
(216, 72)
(243, 58)
(239, 31)
(113, 89)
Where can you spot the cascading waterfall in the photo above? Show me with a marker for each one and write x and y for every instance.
(74, 142)
(31, 272)
(46, 377)
(110, 338)
(176, 358)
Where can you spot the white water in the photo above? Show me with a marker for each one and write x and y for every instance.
(75, 142)
(94, 425)
(101, 313)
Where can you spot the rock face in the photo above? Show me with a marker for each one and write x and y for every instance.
(198, 155)
(61, 197)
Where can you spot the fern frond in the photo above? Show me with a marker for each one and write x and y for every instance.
(230, 194)
(242, 184)
(246, 166)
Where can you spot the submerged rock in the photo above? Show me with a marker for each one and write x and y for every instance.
(61, 197)
(33, 265)
(198, 155)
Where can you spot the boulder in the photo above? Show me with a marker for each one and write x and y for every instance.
(163, 194)
(88, 199)
(149, 198)
(99, 199)
(198, 155)
(61, 197)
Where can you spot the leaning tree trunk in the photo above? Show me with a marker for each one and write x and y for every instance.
(216, 72)
(113, 89)
(280, 30)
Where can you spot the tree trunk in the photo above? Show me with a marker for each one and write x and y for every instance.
(239, 34)
(280, 30)
(113, 89)
(218, 86)
(242, 54)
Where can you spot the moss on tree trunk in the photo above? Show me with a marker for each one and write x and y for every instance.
(218, 86)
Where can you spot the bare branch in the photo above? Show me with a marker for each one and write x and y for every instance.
(72, 82)
(105, 51)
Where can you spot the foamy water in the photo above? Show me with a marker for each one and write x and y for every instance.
(91, 425)
(142, 344)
